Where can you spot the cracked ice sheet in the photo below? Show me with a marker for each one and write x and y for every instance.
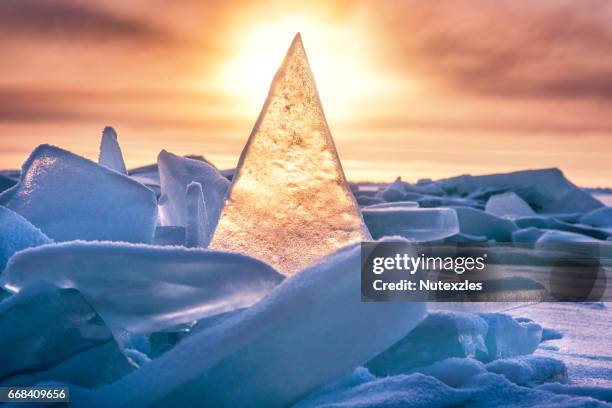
(586, 345)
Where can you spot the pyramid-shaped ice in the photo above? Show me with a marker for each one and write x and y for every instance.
(289, 203)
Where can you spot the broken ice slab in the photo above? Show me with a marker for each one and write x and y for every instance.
(507, 337)
(508, 205)
(442, 335)
(16, 233)
(291, 342)
(428, 201)
(44, 325)
(69, 197)
(602, 218)
(110, 152)
(552, 236)
(394, 191)
(418, 224)
(527, 235)
(289, 203)
(175, 174)
(197, 230)
(93, 367)
(545, 222)
(439, 336)
(144, 288)
(397, 204)
(479, 223)
(545, 190)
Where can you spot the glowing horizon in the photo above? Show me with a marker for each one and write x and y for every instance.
(407, 90)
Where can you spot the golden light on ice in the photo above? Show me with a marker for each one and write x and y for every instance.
(289, 203)
(339, 55)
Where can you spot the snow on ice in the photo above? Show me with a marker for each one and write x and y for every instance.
(16, 233)
(292, 341)
(69, 197)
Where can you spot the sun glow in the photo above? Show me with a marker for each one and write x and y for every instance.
(338, 55)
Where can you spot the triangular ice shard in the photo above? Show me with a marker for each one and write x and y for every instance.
(110, 152)
(289, 203)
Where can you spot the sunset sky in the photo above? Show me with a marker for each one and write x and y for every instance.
(411, 88)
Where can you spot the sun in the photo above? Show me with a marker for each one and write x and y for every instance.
(337, 53)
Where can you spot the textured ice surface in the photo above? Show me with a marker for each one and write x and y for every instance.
(175, 174)
(507, 337)
(69, 197)
(110, 152)
(545, 190)
(197, 230)
(294, 340)
(419, 224)
(479, 223)
(482, 389)
(289, 203)
(508, 205)
(586, 344)
(529, 370)
(143, 288)
(16, 233)
(43, 325)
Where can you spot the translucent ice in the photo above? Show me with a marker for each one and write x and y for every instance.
(100, 364)
(110, 152)
(289, 203)
(143, 288)
(443, 335)
(507, 337)
(16, 233)
(44, 325)
(197, 230)
(508, 205)
(175, 174)
(419, 224)
(397, 204)
(439, 336)
(479, 223)
(69, 197)
(292, 341)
